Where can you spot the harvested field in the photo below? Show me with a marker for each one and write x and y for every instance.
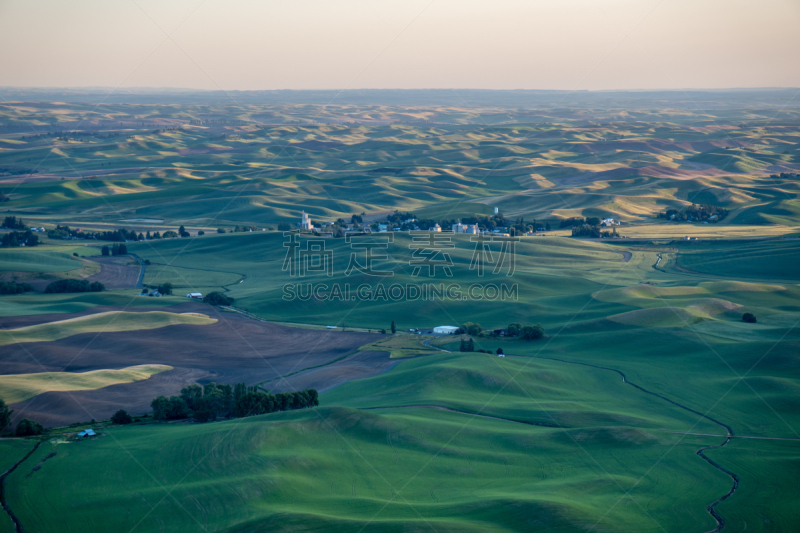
(116, 272)
(356, 366)
(21, 321)
(232, 350)
(62, 408)
(15, 388)
(100, 323)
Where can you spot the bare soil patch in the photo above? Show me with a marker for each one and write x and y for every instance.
(356, 366)
(11, 322)
(234, 349)
(116, 272)
(63, 408)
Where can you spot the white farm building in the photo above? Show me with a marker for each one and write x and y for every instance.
(445, 330)
(305, 222)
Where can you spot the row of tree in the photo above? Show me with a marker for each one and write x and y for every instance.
(512, 330)
(12, 287)
(579, 221)
(594, 232)
(74, 285)
(117, 235)
(699, 213)
(211, 401)
(528, 333)
(116, 249)
(217, 298)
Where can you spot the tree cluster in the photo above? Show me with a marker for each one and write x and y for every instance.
(397, 217)
(405, 221)
(217, 298)
(499, 221)
(209, 402)
(5, 415)
(20, 238)
(118, 235)
(594, 232)
(750, 318)
(467, 346)
(257, 403)
(13, 223)
(116, 249)
(12, 287)
(469, 329)
(528, 333)
(29, 428)
(73, 285)
(695, 213)
(165, 288)
(121, 417)
(571, 222)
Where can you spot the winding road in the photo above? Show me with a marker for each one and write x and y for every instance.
(729, 433)
(140, 281)
(17, 525)
(711, 508)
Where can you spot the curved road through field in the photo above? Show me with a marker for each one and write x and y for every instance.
(17, 525)
(711, 508)
(729, 433)
(140, 282)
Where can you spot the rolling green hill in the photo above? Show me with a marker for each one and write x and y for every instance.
(193, 165)
(398, 468)
(615, 420)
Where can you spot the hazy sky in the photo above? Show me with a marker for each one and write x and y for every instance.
(337, 44)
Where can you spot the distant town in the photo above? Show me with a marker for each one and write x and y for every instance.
(496, 224)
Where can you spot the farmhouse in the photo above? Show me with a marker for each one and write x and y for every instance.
(87, 433)
(445, 330)
(195, 295)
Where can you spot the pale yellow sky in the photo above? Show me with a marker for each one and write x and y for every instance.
(338, 44)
